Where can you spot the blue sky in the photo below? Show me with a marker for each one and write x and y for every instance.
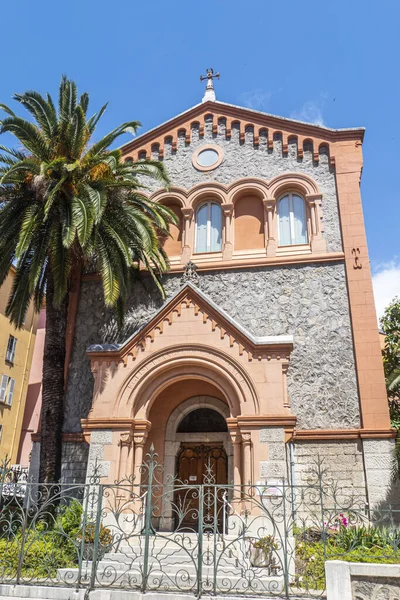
(335, 63)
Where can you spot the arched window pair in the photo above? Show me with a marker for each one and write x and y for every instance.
(292, 224)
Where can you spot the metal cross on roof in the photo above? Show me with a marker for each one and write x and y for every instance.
(209, 93)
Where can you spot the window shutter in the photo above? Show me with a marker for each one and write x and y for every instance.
(11, 391)
(216, 228)
(299, 215)
(285, 238)
(201, 229)
(3, 387)
(11, 346)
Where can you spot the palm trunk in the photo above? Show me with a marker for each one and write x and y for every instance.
(53, 389)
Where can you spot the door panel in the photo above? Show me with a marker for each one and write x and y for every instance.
(199, 464)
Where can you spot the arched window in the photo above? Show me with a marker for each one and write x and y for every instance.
(202, 420)
(292, 220)
(209, 227)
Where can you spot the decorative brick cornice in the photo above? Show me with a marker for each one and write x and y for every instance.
(253, 127)
(286, 421)
(107, 423)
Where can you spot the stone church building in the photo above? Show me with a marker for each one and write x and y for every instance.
(265, 353)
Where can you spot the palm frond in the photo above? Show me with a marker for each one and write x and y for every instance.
(28, 135)
(41, 110)
(92, 122)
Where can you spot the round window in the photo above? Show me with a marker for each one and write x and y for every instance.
(207, 158)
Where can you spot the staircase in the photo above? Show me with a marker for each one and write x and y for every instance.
(174, 566)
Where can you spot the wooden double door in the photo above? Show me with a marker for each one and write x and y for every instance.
(204, 465)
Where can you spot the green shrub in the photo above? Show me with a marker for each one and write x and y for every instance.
(41, 558)
(363, 536)
(69, 518)
(105, 535)
(310, 559)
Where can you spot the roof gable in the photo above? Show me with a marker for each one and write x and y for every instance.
(260, 124)
(206, 310)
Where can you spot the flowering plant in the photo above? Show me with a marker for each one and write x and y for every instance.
(339, 523)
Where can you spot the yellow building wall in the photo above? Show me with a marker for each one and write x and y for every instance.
(11, 416)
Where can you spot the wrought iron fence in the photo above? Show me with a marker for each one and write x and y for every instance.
(173, 536)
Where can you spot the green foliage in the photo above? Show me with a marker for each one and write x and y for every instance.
(43, 554)
(353, 544)
(266, 543)
(69, 519)
(66, 202)
(105, 535)
(390, 324)
(366, 537)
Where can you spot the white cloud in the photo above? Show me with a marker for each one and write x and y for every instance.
(386, 283)
(257, 99)
(311, 112)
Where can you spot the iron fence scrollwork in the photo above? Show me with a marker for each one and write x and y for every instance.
(178, 536)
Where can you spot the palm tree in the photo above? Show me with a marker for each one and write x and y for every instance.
(66, 202)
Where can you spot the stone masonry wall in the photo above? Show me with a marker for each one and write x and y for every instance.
(307, 301)
(74, 462)
(247, 160)
(379, 458)
(340, 464)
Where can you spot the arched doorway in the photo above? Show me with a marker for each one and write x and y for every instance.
(196, 429)
(200, 462)
(197, 451)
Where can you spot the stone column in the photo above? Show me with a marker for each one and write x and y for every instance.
(187, 246)
(141, 430)
(125, 446)
(318, 244)
(286, 399)
(247, 474)
(227, 249)
(237, 460)
(269, 227)
(139, 441)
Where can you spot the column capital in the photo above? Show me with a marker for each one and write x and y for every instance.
(187, 213)
(246, 438)
(269, 203)
(236, 437)
(126, 439)
(315, 198)
(227, 208)
(141, 428)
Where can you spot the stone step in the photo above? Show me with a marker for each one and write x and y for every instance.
(171, 559)
(172, 569)
(175, 554)
(169, 544)
(130, 578)
(23, 592)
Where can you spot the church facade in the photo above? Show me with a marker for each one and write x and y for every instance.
(265, 353)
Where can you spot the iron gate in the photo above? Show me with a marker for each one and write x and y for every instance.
(246, 540)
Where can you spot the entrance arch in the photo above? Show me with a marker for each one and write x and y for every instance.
(174, 439)
(175, 363)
